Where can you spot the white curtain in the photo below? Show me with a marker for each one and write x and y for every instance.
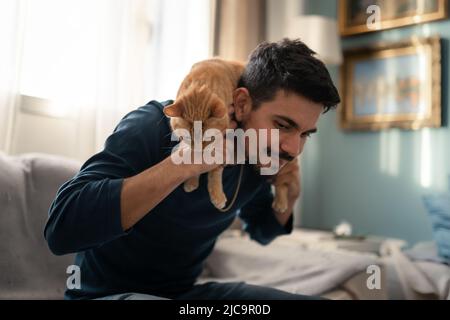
(181, 36)
(157, 41)
(98, 58)
(120, 74)
(11, 33)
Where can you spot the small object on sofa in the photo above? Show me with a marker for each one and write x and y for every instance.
(343, 229)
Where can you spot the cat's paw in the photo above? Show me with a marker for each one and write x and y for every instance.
(219, 200)
(190, 186)
(279, 205)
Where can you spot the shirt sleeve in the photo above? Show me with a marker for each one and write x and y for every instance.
(259, 219)
(86, 211)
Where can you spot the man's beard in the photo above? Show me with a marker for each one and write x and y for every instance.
(257, 166)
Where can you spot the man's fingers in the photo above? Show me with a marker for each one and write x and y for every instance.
(287, 174)
(288, 170)
(284, 180)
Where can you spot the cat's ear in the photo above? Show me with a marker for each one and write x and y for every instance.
(218, 108)
(174, 110)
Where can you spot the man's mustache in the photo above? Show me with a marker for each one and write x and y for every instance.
(283, 155)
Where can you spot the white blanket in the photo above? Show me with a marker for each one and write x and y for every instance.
(285, 264)
(419, 279)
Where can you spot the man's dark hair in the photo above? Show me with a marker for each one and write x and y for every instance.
(289, 65)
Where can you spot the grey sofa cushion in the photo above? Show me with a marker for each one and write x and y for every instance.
(28, 184)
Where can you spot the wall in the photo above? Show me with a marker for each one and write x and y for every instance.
(375, 180)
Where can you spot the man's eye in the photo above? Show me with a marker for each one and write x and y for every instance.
(281, 126)
(307, 135)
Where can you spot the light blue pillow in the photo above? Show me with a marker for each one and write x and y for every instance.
(438, 208)
(442, 237)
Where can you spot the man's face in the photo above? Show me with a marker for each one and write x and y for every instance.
(293, 115)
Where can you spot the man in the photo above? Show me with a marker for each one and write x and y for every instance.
(139, 235)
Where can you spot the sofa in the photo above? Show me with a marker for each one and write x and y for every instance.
(28, 270)
(28, 184)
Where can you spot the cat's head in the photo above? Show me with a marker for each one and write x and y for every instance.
(198, 103)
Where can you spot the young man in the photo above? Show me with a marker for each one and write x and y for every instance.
(139, 235)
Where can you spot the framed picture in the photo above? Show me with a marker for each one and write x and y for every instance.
(395, 85)
(355, 15)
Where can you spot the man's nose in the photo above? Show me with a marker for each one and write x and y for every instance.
(293, 145)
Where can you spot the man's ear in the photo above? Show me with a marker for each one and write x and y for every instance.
(174, 110)
(242, 104)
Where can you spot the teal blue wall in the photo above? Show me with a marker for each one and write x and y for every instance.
(375, 180)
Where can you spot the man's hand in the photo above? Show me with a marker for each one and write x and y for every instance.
(288, 177)
(196, 169)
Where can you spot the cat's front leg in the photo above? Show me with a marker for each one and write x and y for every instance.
(215, 188)
(280, 202)
(191, 184)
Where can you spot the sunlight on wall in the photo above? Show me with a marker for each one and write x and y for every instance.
(439, 160)
(390, 152)
(426, 31)
(425, 158)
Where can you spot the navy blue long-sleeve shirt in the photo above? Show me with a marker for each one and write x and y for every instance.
(163, 253)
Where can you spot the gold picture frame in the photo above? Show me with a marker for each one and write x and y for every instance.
(353, 15)
(392, 85)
